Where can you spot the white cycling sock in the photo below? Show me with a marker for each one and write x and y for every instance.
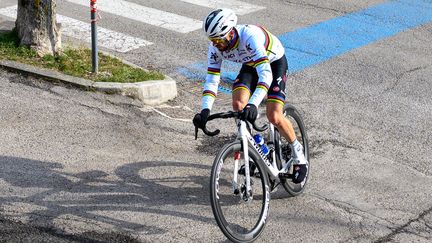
(297, 152)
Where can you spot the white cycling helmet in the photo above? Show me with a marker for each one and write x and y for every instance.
(219, 22)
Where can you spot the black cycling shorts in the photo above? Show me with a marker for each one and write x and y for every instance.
(248, 78)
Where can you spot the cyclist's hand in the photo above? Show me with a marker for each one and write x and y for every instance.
(250, 113)
(200, 119)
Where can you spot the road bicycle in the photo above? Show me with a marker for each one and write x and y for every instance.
(242, 176)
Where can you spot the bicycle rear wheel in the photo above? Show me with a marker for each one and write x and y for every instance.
(239, 220)
(296, 120)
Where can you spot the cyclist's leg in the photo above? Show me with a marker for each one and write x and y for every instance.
(240, 98)
(243, 87)
(276, 100)
(275, 116)
(275, 103)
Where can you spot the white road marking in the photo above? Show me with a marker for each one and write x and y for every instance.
(165, 115)
(240, 8)
(182, 107)
(124, 43)
(81, 30)
(146, 15)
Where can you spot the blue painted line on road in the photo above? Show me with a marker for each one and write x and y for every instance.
(320, 42)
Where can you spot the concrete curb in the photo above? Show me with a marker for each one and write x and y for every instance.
(152, 92)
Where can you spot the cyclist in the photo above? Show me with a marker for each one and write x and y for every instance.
(263, 72)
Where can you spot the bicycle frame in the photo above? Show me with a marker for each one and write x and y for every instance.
(252, 182)
(271, 168)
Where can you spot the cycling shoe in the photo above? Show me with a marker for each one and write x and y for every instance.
(299, 173)
(252, 167)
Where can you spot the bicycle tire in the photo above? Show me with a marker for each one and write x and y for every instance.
(294, 116)
(229, 209)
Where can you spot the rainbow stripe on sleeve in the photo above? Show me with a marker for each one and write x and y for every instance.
(260, 61)
(213, 71)
(263, 86)
(209, 93)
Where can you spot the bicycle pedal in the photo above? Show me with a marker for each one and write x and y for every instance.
(285, 176)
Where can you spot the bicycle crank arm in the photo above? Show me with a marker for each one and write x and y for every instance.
(285, 176)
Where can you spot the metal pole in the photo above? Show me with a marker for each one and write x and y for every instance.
(94, 36)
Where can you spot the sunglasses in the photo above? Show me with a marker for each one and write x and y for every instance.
(218, 40)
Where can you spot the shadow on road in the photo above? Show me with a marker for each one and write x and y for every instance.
(53, 193)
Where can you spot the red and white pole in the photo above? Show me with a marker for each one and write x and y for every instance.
(93, 17)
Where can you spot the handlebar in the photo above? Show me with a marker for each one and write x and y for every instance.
(225, 115)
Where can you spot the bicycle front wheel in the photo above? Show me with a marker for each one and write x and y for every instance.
(240, 220)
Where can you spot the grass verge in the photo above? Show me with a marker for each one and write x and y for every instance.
(75, 62)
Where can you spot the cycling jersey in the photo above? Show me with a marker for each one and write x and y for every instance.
(251, 45)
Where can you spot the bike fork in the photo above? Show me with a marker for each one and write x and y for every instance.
(248, 192)
(235, 188)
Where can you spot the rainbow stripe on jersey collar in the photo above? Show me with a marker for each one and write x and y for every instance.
(234, 42)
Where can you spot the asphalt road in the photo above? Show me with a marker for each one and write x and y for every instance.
(78, 166)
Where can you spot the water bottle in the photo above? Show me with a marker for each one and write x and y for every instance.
(260, 141)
